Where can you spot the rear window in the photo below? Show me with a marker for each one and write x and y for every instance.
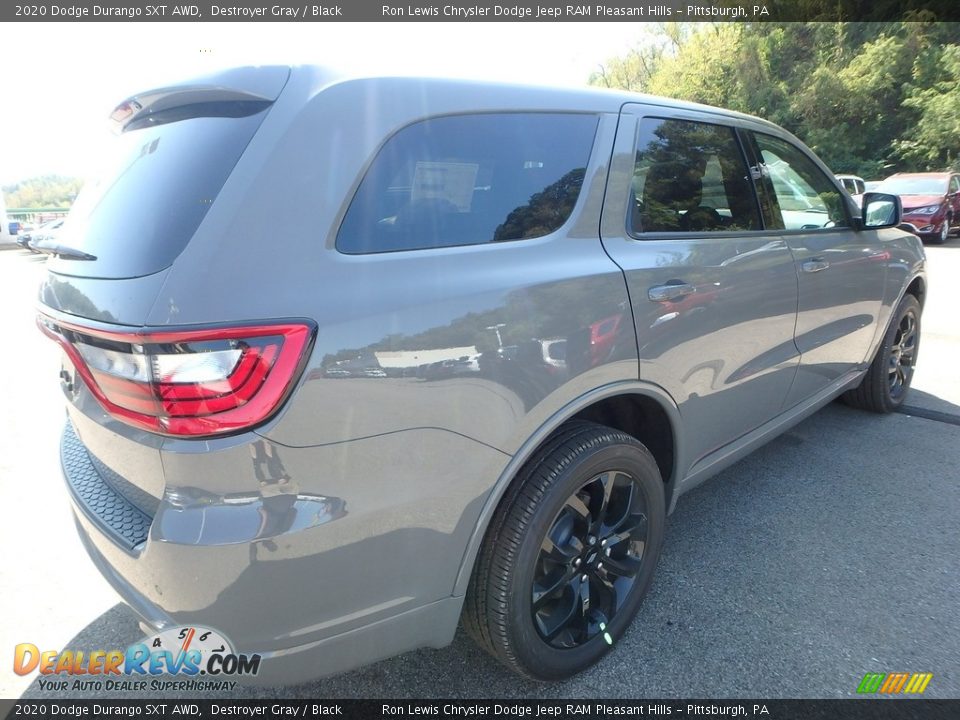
(154, 189)
(470, 179)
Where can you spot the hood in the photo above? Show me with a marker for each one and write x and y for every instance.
(915, 201)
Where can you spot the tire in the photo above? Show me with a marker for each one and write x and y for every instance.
(944, 234)
(527, 603)
(884, 387)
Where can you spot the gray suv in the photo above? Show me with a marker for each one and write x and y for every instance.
(350, 361)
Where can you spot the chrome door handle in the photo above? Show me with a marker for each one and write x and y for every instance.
(670, 291)
(815, 265)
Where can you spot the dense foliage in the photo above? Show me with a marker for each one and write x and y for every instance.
(869, 98)
(46, 191)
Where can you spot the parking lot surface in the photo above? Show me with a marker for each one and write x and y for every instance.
(827, 554)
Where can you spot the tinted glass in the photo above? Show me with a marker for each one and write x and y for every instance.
(805, 198)
(155, 188)
(690, 177)
(470, 179)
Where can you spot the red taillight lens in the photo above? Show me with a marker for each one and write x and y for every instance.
(190, 382)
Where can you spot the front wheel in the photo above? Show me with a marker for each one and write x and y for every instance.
(884, 387)
(944, 232)
(570, 554)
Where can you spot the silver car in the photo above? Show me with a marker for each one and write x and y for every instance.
(269, 237)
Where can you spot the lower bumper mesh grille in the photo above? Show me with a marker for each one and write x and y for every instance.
(128, 525)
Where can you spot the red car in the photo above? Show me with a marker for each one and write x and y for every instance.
(931, 202)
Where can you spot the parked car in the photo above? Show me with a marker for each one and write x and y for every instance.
(7, 231)
(527, 502)
(931, 202)
(853, 184)
(45, 232)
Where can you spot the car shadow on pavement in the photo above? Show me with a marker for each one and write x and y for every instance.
(930, 407)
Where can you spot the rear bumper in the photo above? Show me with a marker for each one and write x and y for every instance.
(313, 583)
(432, 625)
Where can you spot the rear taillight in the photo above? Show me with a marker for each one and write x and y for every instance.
(191, 382)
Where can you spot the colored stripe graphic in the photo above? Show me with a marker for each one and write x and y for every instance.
(894, 683)
(918, 683)
(871, 683)
(900, 682)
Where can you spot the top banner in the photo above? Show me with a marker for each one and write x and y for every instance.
(483, 11)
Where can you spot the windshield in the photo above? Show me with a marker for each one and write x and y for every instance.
(914, 186)
(155, 188)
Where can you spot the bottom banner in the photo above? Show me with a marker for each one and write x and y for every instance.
(875, 709)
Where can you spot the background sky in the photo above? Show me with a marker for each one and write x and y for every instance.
(63, 79)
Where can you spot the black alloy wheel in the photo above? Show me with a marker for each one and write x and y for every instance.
(903, 354)
(570, 553)
(884, 387)
(589, 560)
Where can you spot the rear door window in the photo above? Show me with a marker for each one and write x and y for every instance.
(155, 188)
(690, 177)
(470, 179)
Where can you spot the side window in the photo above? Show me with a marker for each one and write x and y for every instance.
(690, 177)
(470, 179)
(805, 199)
(954, 184)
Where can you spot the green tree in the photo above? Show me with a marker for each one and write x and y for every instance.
(48, 191)
(868, 97)
(934, 141)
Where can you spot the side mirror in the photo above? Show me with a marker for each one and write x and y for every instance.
(880, 210)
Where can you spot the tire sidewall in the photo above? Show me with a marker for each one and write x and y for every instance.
(533, 652)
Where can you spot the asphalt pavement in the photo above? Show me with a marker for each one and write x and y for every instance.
(829, 553)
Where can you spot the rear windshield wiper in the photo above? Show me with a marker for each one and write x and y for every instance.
(62, 251)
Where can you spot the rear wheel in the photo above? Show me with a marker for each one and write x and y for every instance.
(884, 387)
(570, 554)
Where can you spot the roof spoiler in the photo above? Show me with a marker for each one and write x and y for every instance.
(235, 93)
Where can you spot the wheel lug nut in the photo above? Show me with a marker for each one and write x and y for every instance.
(599, 566)
(591, 539)
(583, 578)
(607, 552)
(576, 563)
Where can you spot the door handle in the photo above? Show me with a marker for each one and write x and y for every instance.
(815, 265)
(670, 291)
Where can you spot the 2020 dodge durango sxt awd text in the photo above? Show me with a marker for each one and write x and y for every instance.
(349, 360)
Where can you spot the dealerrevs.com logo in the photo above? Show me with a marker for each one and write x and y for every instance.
(186, 651)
